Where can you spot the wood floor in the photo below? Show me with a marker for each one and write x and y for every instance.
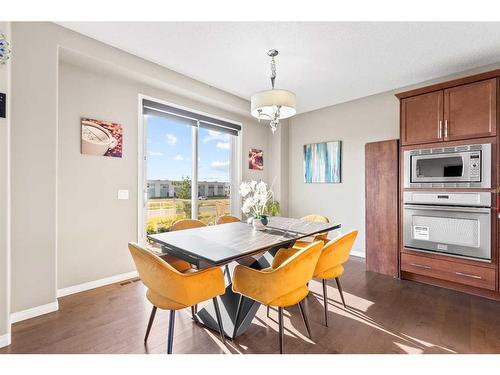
(385, 315)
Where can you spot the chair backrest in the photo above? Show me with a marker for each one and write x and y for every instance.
(299, 268)
(316, 218)
(187, 224)
(155, 273)
(221, 207)
(227, 219)
(336, 252)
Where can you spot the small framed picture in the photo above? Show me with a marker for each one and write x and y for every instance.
(255, 159)
(101, 138)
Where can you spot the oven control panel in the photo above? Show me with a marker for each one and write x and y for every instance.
(475, 166)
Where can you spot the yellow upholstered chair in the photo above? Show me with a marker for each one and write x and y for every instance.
(180, 264)
(225, 219)
(281, 287)
(177, 263)
(221, 208)
(186, 224)
(317, 237)
(169, 289)
(334, 254)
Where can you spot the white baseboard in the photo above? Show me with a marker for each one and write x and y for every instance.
(95, 284)
(5, 340)
(358, 253)
(33, 312)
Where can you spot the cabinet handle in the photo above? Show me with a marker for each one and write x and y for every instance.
(468, 275)
(440, 129)
(420, 266)
(446, 128)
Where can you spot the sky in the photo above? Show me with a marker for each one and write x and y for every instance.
(169, 149)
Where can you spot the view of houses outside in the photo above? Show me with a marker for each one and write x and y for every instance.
(167, 202)
(169, 167)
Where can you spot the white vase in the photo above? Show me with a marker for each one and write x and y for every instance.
(257, 224)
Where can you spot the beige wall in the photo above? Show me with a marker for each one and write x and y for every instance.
(93, 226)
(36, 141)
(4, 201)
(354, 123)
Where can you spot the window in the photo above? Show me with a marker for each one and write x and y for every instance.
(188, 166)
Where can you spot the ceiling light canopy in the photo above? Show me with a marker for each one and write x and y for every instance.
(274, 104)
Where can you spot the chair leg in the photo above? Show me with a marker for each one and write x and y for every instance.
(228, 274)
(170, 338)
(219, 320)
(238, 313)
(340, 291)
(325, 302)
(280, 319)
(193, 313)
(304, 318)
(150, 323)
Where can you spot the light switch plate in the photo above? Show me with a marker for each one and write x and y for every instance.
(123, 194)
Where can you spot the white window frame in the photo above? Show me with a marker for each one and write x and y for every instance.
(142, 196)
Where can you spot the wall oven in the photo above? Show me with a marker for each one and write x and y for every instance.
(466, 166)
(457, 224)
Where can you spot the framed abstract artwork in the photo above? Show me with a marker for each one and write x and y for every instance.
(323, 162)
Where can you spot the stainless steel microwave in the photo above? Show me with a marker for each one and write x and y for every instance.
(466, 166)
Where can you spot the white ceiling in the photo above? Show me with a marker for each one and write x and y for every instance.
(323, 63)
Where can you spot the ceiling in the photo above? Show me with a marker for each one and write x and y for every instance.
(323, 63)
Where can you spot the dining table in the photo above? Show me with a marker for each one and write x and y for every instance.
(226, 245)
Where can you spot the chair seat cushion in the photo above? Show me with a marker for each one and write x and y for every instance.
(329, 273)
(162, 302)
(291, 298)
(179, 264)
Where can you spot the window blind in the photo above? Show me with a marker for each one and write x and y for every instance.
(150, 107)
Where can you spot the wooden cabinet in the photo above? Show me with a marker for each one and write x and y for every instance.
(470, 111)
(381, 205)
(461, 112)
(480, 277)
(422, 118)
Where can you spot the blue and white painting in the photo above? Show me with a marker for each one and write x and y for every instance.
(322, 162)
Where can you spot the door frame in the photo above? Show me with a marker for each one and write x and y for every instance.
(236, 159)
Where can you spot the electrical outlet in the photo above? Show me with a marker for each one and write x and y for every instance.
(123, 194)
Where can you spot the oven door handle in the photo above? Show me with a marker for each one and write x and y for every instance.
(447, 208)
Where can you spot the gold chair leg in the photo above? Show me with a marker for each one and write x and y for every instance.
(340, 291)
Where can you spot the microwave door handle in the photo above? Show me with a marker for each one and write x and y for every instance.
(447, 208)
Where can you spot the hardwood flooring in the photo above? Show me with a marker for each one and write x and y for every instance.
(384, 315)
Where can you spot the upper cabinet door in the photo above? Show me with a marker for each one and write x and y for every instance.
(422, 118)
(470, 111)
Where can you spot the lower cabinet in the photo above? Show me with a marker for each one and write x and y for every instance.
(461, 273)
